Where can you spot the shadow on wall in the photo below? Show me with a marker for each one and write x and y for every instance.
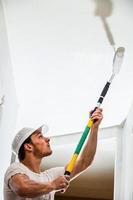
(104, 9)
(76, 198)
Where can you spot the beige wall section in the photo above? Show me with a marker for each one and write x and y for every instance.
(76, 198)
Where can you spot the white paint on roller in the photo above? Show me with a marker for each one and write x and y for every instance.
(118, 59)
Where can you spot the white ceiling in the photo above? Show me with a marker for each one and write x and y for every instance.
(62, 57)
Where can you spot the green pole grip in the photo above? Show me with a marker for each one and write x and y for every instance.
(78, 148)
(82, 140)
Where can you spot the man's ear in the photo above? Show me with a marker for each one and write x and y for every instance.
(28, 146)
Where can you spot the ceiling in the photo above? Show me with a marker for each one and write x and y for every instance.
(62, 53)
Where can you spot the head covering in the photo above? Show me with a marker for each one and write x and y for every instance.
(21, 136)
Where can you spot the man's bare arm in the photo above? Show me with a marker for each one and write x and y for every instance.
(24, 187)
(87, 155)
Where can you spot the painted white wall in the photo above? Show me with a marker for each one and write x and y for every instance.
(62, 58)
(8, 112)
(124, 161)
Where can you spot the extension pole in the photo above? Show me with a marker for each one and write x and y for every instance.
(117, 61)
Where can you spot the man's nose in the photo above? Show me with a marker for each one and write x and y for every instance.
(47, 139)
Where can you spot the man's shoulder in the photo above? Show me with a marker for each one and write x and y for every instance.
(12, 170)
(13, 166)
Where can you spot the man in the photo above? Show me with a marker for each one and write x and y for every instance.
(24, 179)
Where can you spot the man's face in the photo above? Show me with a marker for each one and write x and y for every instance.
(41, 145)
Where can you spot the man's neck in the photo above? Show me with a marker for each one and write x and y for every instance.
(33, 164)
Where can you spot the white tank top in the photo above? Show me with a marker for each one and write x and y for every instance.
(43, 177)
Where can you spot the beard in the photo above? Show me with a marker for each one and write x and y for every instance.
(41, 153)
(47, 153)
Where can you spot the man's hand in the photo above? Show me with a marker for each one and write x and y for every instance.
(96, 117)
(60, 183)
